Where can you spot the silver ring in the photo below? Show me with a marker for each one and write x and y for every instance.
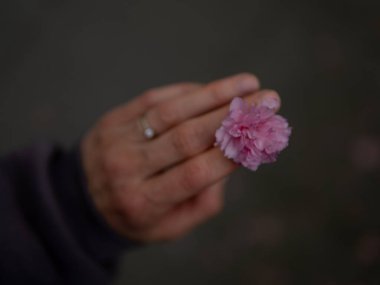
(149, 133)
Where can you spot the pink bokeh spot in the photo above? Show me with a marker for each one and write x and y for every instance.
(251, 135)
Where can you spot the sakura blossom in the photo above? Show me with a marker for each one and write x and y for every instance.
(253, 134)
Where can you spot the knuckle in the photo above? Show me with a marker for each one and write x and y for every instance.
(195, 175)
(111, 164)
(134, 210)
(114, 165)
(184, 140)
(216, 91)
(133, 206)
(149, 97)
(167, 115)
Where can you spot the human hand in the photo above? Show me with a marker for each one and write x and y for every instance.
(161, 188)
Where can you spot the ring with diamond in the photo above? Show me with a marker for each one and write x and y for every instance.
(149, 133)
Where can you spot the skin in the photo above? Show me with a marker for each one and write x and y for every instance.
(160, 189)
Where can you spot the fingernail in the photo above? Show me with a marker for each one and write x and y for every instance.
(270, 102)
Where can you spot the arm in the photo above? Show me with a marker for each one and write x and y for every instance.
(50, 231)
(148, 189)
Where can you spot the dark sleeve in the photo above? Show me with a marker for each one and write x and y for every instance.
(50, 233)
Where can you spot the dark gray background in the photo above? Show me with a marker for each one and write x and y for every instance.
(311, 218)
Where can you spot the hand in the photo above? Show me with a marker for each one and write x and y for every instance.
(160, 189)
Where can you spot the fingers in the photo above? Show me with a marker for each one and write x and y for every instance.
(213, 95)
(150, 98)
(182, 187)
(188, 178)
(169, 113)
(189, 214)
(195, 136)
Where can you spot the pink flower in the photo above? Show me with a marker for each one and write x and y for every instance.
(252, 135)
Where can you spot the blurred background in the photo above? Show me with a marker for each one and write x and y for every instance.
(311, 218)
